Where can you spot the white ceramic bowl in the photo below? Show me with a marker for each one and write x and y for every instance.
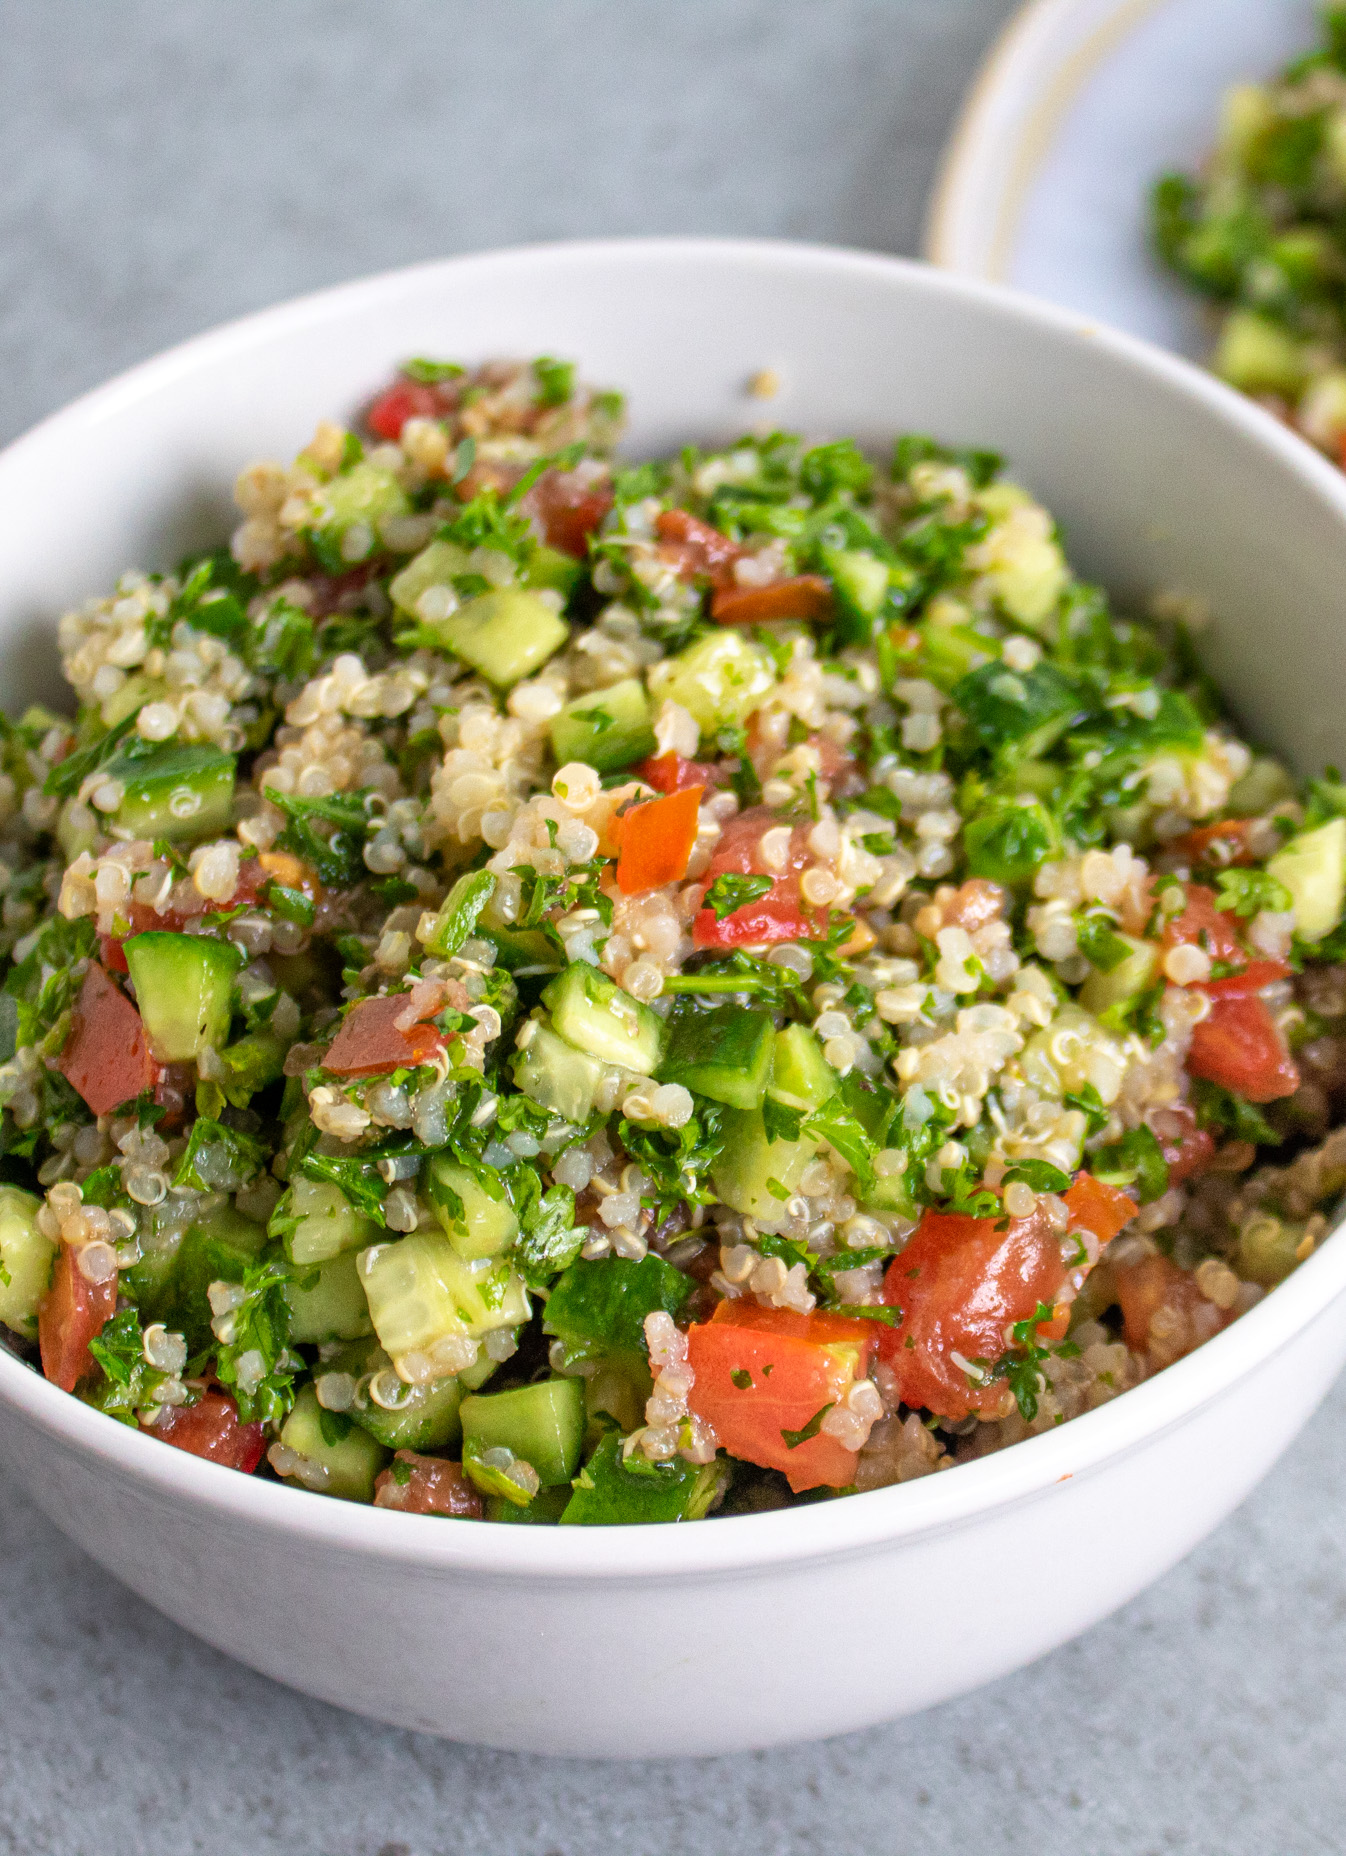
(747, 1631)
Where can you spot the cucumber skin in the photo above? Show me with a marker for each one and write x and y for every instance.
(609, 1495)
(605, 746)
(146, 809)
(353, 1462)
(543, 1424)
(428, 1421)
(591, 1011)
(506, 634)
(801, 1076)
(724, 1053)
(184, 988)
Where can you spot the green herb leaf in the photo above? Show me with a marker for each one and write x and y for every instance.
(793, 1439)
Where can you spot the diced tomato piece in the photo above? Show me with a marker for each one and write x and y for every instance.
(110, 954)
(70, 1315)
(211, 1428)
(1222, 845)
(1152, 1283)
(406, 399)
(670, 773)
(696, 550)
(657, 840)
(1186, 1148)
(781, 913)
(371, 1040)
(430, 1485)
(107, 1055)
(763, 1372)
(806, 596)
(1216, 931)
(570, 505)
(961, 1284)
(1098, 1208)
(1240, 1048)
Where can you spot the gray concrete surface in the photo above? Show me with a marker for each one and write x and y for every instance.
(168, 163)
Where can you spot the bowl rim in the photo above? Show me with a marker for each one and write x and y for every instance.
(1024, 1471)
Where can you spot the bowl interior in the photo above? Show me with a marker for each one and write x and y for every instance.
(1160, 478)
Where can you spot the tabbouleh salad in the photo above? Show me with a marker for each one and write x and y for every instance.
(1261, 232)
(546, 989)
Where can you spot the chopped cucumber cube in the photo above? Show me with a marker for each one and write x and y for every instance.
(801, 1077)
(179, 793)
(477, 1223)
(543, 1424)
(420, 1291)
(505, 634)
(721, 679)
(184, 988)
(557, 1076)
(221, 1248)
(422, 1418)
(545, 1509)
(25, 1260)
(614, 1492)
(1257, 355)
(756, 1176)
(327, 1222)
(338, 1457)
(333, 1306)
(606, 728)
(1313, 869)
(724, 1053)
(524, 951)
(592, 1012)
(1101, 991)
(861, 581)
(438, 565)
(551, 567)
(349, 511)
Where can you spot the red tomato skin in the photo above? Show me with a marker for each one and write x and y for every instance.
(1223, 846)
(802, 1377)
(961, 1283)
(1202, 924)
(1151, 1282)
(212, 1429)
(670, 773)
(1240, 1048)
(71, 1314)
(406, 399)
(806, 596)
(781, 914)
(1187, 1149)
(370, 1042)
(695, 549)
(570, 508)
(107, 1055)
(434, 1486)
(657, 841)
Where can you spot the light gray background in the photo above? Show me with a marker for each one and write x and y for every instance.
(168, 163)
